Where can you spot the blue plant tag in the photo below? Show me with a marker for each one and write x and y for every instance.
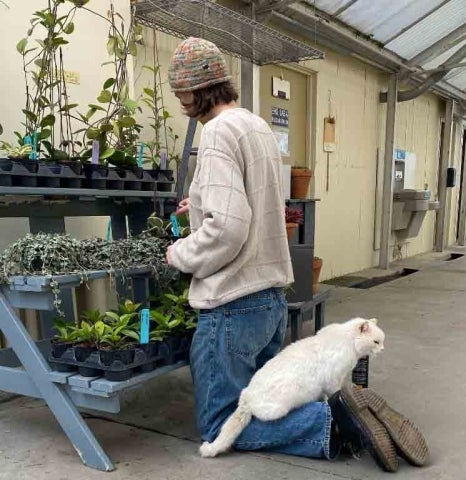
(141, 155)
(175, 225)
(145, 320)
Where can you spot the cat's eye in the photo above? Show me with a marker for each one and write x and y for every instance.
(377, 342)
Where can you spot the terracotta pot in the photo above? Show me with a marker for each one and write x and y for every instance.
(300, 179)
(316, 268)
(290, 228)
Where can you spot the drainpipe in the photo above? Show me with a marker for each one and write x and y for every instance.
(430, 81)
(387, 200)
(442, 183)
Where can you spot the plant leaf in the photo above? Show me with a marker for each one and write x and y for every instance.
(48, 121)
(107, 153)
(69, 28)
(127, 122)
(104, 97)
(21, 46)
(108, 83)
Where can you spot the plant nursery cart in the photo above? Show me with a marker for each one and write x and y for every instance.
(24, 367)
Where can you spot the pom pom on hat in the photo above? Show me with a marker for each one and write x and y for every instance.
(196, 64)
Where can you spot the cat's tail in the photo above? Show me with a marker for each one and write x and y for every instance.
(230, 431)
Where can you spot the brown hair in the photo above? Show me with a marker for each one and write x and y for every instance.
(207, 98)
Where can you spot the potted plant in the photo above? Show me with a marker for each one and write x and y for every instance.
(300, 179)
(64, 339)
(116, 342)
(160, 228)
(117, 130)
(87, 337)
(48, 111)
(293, 218)
(175, 320)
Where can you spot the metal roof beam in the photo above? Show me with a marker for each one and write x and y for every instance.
(432, 79)
(344, 8)
(441, 46)
(329, 32)
(418, 20)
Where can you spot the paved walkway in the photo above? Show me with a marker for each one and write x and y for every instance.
(422, 372)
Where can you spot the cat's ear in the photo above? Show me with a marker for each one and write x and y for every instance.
(365, 326)
(373, 320)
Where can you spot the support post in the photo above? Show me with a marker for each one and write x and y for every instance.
(462, 222)
(387, 200)
(442, 179)
(249, 72)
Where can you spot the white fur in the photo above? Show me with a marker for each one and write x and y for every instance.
(309, 370)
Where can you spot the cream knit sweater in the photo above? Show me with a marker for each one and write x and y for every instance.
(238, 243)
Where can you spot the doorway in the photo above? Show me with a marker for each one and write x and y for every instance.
(461, 219)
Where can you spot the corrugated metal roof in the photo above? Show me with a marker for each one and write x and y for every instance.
(405, 27)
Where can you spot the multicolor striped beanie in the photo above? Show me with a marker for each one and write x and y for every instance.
(196, 64)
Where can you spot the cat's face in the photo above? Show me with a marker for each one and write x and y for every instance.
(369, 339)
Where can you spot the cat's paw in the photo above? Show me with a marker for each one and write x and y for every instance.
(207, 450)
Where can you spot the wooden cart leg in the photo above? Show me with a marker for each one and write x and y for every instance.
(319, 316)
(57, 399)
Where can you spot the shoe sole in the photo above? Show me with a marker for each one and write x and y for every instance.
(381, 446)
(406, 435)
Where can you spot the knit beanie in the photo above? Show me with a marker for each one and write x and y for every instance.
(196, 64)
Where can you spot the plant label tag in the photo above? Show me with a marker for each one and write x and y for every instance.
(95, 152)
(175, 225)
(145, 320)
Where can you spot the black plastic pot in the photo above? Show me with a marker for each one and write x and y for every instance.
(132, 177)
(6, 166)
(49, 174)
(82, 352)
(31, 166)
(116, 179)
(59, 348)
(96, 176)
(125, 356)
(163, 178)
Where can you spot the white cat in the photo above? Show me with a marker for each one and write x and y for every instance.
(309, 370)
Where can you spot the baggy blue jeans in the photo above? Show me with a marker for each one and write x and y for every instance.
(232, 342)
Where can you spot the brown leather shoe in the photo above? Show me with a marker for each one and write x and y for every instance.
(360, 430)
(409, 440)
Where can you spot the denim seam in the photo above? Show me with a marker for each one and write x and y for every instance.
(278, 443)
(211, 363)
(328, 430)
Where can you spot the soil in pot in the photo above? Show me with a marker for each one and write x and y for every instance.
(300, 179)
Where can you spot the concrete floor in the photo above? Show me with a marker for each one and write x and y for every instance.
(421, 372)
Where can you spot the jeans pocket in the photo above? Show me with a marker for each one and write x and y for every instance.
(248, 330)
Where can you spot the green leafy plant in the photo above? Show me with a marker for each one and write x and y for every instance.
(66, 332)
(160, 228)
(117, 130)
(48, 109)
(173, 314)
(89, 334)
(92, 316)
(21, 151)
(163, 137)
(119, 330)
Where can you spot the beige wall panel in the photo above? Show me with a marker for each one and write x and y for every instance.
(85, 54)
(454, 193)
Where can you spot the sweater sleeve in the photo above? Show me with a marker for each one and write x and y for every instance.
(226, 218)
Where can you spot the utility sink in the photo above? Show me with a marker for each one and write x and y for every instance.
(409, 209)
